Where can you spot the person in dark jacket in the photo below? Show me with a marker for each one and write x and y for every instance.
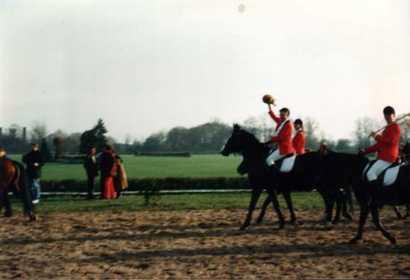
(34, 162)
(91, 169)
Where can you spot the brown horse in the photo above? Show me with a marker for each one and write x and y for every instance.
(13, 179)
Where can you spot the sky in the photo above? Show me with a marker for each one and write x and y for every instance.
(145, 66)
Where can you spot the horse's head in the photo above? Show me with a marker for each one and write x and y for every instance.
(239, 141)
(243, 168)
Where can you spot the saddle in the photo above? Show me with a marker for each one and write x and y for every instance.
(388, 177)
(286, 164)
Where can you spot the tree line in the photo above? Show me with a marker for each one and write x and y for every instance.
(205, 138)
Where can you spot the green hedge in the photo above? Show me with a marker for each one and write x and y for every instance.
(181, 154)
(150, 184)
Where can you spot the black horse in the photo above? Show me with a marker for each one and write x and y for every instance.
(304, 175)
(405, 157)
(372, 198)
(335, 186)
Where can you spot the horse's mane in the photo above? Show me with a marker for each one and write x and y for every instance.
(406, 149)
(253, 142)
(251, 137)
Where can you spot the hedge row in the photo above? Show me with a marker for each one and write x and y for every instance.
(160, 154)
(150, 184)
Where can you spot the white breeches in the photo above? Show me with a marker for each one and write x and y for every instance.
(377, 169)
(274, 157)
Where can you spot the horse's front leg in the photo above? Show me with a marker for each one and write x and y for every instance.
(379, 225)
(339, 200)
(256, 193)
(346, 205)
(397, 211)
(289, 203)
(327, 214)
(364, 213)
(276, 206)
(262, 213)
(349, 200)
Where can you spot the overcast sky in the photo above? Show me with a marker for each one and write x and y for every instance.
(149, 65)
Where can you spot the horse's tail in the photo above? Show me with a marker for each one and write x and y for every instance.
(24, 190)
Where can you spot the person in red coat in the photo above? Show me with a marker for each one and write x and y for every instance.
(299, 140)
(282, 136)
(387, 146)
(108, 172)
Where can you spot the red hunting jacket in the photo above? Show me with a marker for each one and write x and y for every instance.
(299, 142)
(284, 136)
(387, 144)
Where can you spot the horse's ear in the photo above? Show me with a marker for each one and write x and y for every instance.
(236, 127)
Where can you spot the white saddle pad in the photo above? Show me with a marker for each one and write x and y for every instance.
(391, 175)
(287, 164)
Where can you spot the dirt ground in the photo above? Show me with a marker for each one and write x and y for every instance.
(196, 244)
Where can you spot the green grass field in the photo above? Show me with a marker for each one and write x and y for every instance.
(154, 167)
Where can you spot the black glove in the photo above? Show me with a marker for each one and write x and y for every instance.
(360, 153)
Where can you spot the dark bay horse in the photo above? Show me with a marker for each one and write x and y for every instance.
(304, 176)
(13, 179)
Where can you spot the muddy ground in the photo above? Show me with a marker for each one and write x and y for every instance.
(196, 244)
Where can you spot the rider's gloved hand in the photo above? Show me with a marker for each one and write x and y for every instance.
(268, 144)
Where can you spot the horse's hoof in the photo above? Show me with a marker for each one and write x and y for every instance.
(8, 214)
(243, 227)
(335, 222)
(348, 217)
(354, 241)
(324, 223)
(281, 225)
(393, 241)
(32, 218)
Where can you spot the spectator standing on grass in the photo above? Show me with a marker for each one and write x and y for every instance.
(91, 169)
(120, 180)
(108, 170)
(34, 162)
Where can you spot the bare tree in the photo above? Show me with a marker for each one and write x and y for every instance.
(364, 126)
(312, 132)
(38, 132)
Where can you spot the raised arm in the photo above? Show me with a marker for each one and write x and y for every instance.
(273, 115)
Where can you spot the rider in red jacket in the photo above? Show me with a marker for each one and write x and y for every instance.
(387, 145)
(299, 140)
(282, 136)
